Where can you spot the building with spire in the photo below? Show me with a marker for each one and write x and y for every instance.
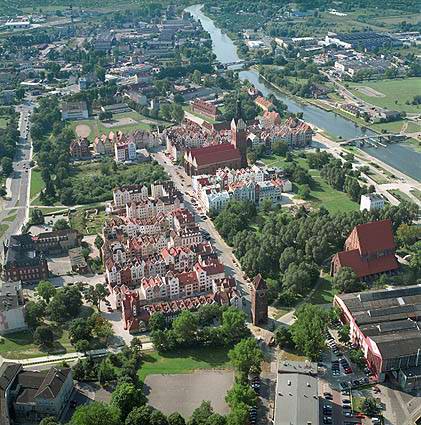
(259, 301)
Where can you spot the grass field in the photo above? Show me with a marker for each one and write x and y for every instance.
(416, 193)
(401, 196)
(37, 183)
(11, 217)
(98, 128)
(321, 193)
(184, 361)
(3, 122)
(396, 93)
(20, 345)
(3, 228)
(324, 293)
(87, 225)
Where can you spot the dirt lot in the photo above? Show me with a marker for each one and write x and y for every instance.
(183, 393)
(83, 130)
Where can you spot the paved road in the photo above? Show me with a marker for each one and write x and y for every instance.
(19, 182)
(225, 253)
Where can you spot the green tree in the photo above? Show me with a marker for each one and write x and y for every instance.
(35, 313)
(407, 235)
(61, 224)
(216, 419)
(239, 415)
(80, 329)
(99, 242)
(157, 322)
(241, 393)
(344, 333)
(283, 337)
(82, 346)
(346, 281)
(139, 416)
(246, 357)
(6, 166)
(176, 419)
(96, 294)
(49, 421)
(96, 414)
(185, 327)
(45, 290)
(370, 406)
(37, 217)
(106, 372)
(43, 336)
(304, 191)
(65, 304)
(308, 330)
(280, 148)
(234, 325)
(201, 414)
(158, 418)
(126, 397)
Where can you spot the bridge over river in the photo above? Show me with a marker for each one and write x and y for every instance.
(375, 140)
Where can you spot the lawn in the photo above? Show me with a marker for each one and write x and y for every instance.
(396, 93)
(87, 224)
(321, 193)
(20, 345)
(3, 228)
(401, 196)
(3, 122)
(324, 293)
(11, 216)
(98, 128)
(184, 361)
(37, 183)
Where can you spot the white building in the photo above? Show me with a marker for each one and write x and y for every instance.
(74, 111)
(371, 202)
(12, 309)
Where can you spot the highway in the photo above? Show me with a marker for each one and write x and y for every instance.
(17, 185)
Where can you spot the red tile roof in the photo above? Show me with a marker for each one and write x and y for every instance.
(364, 268)
(215, 154)
(375, 236)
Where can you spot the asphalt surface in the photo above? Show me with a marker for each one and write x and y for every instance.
(18, 183)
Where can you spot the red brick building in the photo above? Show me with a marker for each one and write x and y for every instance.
(259, 301)
(208, 159)
(205, 108)
(369, 250)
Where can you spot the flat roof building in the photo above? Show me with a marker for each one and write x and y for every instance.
(386, 324)
(297, 395)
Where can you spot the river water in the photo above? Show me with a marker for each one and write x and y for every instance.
(398, 156)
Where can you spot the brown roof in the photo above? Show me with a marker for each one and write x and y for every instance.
(375, 236)
(215, 154)
(366, 268)
(259, 282)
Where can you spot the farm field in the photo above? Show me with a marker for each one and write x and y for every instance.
(393, 94)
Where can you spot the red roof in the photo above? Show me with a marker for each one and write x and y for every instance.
(215, 153)
(364, 268)
(375, 236)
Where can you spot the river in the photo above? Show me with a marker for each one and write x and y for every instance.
(396, 155)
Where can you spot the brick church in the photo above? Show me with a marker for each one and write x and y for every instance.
(207, 160)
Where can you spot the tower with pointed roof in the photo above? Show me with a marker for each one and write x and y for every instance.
(239, 134)
(259, 301)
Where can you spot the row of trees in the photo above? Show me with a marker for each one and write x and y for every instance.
(9, 137)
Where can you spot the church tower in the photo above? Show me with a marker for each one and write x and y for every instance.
(239, 135)
(259, 301)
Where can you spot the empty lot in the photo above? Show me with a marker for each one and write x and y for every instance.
(184, 392)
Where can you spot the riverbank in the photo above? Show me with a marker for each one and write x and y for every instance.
(333, 124)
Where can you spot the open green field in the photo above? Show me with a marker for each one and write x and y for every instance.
(20, 345)
(37, 183)
(321, 193)
(87, 224)
(3, 122)
(324, 293)
(184, 361)
(3, 228)
(97, 127)
(395, 93)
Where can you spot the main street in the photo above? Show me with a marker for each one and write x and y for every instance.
(18, 183)
(225, 252)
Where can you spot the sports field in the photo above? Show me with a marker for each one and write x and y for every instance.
(391, 94)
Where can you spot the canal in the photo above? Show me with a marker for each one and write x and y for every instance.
(396, 155)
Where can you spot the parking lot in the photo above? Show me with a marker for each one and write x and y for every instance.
(340, 380)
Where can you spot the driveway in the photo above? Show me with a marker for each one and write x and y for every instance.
(185, 392)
